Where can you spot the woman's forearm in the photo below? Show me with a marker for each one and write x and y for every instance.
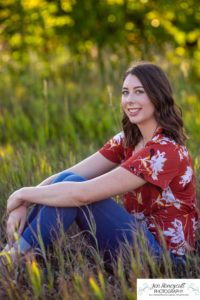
(69, 193)
(63, 194)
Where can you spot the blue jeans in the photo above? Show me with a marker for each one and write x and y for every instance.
(107, 224)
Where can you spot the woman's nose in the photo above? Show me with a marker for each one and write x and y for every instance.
(130, 98)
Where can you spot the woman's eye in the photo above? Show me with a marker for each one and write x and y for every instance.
(139, 92)
(124, 93)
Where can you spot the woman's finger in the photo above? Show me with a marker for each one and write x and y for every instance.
(12, 226)
(11, 205)
(12, 202)
(10, 234)
(21, 226)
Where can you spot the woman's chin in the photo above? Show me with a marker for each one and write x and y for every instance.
(134, 120)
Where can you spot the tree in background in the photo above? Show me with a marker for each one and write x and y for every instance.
(139, 29)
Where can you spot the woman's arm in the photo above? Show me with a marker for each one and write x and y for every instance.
(93, 166)
(69, 194)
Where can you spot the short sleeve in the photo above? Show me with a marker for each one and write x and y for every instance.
(113, 149)
(157, 164)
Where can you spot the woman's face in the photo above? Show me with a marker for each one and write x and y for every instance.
(135, 101)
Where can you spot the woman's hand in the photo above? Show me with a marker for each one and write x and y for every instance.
(15, 200)
(15, 223)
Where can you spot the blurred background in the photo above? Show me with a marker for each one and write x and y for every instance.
(61, 68)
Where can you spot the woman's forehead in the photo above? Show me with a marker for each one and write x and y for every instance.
(131, 81)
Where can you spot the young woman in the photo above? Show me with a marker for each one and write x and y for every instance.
(147, 162)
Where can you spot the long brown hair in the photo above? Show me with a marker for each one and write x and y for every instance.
(167, 114)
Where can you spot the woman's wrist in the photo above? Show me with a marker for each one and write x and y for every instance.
(24, 196)
(14, 211)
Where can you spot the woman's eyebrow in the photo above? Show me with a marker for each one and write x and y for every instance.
(135, 87)
(139, 86)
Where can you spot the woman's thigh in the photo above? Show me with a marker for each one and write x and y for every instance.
(110, 225)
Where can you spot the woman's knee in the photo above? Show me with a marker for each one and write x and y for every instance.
(68, 176)
(62, 176)
(74, 177)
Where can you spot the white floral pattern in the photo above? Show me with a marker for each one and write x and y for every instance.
(151, 225)
(139, 216)
(163, 140)
(176, 232)
(118, 137)
(116, 141)
(186, 177)
(183, 152)
(157, 164)
(194, 224)
(179, 251)
(169, 197)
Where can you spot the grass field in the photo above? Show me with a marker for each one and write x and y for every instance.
(49, 121)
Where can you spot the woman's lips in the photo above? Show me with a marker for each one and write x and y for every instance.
(133, 111)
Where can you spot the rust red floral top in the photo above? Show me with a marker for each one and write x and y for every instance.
(167, 201)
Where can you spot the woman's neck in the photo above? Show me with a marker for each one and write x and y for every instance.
(148, 131)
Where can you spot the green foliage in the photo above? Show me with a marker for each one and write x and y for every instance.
(144, 28)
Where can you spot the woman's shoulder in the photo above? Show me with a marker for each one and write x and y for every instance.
(168, 143)
(119, 137)
(163, 139)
